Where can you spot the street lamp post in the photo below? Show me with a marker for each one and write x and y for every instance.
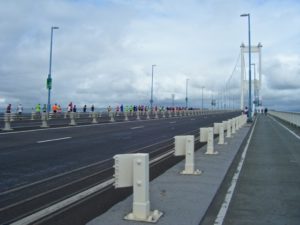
(49, 79)
(254, 85)
(151, 100)
(186, 94)
(173, 100)
(202, 98)
(249, 41)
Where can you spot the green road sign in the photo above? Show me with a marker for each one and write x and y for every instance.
(49, 83)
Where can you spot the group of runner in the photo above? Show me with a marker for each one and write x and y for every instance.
(56, 108)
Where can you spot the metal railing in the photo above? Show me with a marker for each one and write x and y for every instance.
(290, 117)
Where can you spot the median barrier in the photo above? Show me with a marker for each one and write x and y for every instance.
(184, 145)
(133, 170)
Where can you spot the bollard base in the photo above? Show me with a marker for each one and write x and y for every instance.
(212, 153)
(7, 129)
(196, 172)
(152, 218)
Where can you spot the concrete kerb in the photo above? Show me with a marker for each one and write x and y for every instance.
(195, 193)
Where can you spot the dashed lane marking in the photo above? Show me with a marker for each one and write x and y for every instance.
(56, 139)
(139, 127)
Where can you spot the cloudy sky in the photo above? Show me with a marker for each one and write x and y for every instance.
(104, 50)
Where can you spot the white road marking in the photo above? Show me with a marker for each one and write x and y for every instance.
(57, 139)
(173, 122)
(223, 210)
(139, 127)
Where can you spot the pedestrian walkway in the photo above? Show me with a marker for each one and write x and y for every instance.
(183, 199)
(268, 188)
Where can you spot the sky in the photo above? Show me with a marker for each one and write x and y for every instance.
(104, 50)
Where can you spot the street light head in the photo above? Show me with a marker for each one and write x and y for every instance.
(245, 14)
(55, 28)
(153, 65)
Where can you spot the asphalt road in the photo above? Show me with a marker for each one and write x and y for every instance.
(268, 189)
(28, 156)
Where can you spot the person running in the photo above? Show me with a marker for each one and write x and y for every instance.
(8, 108)
(44, 108)
(74, 108)
(38, 108)
(20, 111)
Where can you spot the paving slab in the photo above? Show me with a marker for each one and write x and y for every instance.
(184, 199)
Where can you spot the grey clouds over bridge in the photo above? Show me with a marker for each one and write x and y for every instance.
(103, 51)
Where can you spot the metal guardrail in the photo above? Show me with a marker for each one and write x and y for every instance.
(290, 117)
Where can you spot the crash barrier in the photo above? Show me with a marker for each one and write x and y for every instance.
(93, 117)
(290, 117)
(133, 169)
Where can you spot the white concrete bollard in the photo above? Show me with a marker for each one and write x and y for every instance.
(133, 170)
(163, 114)
(184, 145)
(170, 113)
(138, 115)
(44, 120)
(221, 134)
(233, 125)
(148, 116)
(111, 115)
(207, 135)
(7, 120)
(32, 115)
(72, 119)
(228, 133)
(156, 115)
(125, 116)
(94, 116)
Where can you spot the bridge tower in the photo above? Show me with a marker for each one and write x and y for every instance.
(256, 81)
